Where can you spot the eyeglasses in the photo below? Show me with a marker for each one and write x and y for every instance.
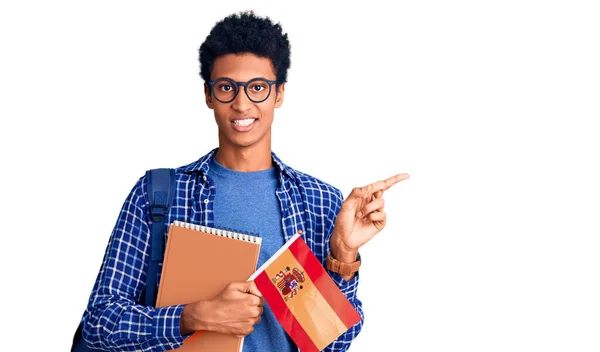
(226, 90)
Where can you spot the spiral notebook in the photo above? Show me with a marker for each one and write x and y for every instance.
(199, 262)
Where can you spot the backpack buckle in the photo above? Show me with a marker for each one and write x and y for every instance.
(157, 212)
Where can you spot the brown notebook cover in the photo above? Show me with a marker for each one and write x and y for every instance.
(199, 262)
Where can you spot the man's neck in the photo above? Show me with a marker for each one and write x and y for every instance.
(254, 158)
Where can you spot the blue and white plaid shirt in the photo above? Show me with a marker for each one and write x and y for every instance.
(115, 321)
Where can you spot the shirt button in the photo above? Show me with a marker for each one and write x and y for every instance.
(299, 232)
(204, 178)
(206, 201)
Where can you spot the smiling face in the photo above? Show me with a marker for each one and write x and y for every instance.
(241, 122)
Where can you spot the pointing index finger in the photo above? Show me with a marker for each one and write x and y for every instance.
(393, 180)
(384, 185)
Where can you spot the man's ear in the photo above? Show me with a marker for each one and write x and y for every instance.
(208, 96)
(279, 95)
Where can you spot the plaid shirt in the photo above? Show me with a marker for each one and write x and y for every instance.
(114, 320)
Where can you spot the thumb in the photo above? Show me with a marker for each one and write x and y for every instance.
(253, 289)
(352, 201)
(250, 287)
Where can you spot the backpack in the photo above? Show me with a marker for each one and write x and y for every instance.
(161, 192)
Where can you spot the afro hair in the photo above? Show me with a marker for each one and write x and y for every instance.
(245, 32)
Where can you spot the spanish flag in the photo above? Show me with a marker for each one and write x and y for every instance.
(305, 300)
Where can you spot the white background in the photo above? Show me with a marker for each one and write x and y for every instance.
(491, 245)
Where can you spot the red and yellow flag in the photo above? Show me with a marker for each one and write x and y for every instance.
(308, 304)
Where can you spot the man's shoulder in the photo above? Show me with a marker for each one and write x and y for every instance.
(317, 187)
(196, 165)
(182, 173)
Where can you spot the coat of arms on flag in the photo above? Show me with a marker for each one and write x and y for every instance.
(304, 299)
(289, 282)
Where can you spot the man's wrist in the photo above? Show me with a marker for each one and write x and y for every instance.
(191, 317)
(342, 259)
(346, 270)
(341, 252)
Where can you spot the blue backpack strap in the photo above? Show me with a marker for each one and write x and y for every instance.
(161, 191)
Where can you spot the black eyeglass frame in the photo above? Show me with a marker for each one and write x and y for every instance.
(236, 86)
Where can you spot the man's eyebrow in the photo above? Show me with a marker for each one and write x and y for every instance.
(236, 81)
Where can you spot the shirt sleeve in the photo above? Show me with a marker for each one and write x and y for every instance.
(348, 288)
(112, 320)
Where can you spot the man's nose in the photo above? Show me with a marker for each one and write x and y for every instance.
(241, 101)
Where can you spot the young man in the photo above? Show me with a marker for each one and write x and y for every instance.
(244, 63)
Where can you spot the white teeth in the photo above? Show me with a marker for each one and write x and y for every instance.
(244, 122)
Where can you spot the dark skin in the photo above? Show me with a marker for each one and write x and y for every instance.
(234, 311)
(237, 308)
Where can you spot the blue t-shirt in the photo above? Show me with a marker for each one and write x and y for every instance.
(246, 201)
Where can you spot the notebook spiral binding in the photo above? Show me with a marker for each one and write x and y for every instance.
(220, 232)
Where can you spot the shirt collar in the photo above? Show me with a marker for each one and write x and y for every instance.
(202, 165)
